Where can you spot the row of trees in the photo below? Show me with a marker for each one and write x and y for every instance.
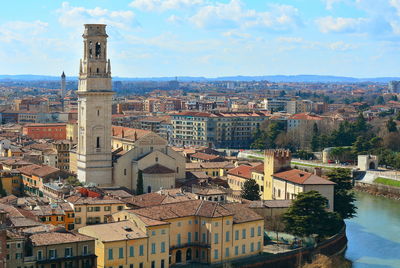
(349, 138)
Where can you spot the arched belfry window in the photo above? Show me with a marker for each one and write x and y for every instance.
(90, 49)
(98, 142)
(98, 50)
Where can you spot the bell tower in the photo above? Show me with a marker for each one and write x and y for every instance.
(95, 93)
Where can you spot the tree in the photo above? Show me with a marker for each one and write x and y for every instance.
(394, 98)
(391, 125)
(139, 184)
(343, 197)
(250, 190)
(73, 181)
(380, 100)
(308, 215)
(315, 138)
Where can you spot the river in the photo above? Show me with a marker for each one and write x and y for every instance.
(374, 235)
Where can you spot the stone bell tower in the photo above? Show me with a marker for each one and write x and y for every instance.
(95, 93)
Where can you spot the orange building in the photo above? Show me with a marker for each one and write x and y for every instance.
(55, 131)
(34, 176)
(61, 214)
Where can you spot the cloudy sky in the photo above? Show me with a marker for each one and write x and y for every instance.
(152, 38)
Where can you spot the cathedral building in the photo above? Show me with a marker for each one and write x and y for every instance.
(108, 155)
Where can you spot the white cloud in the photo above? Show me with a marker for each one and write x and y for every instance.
(330, 3)
(175, 19)
(21, 30)
(236, 34)
(290, 39)
(233, 14)
(341, 46)
(341, 25)
(163, 5)
(71, 16)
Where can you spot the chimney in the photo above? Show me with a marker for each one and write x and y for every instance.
(123, 134)
(318, 171)
(135, 135)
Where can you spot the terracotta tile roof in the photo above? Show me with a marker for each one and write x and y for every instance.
(302, 177)
(305, 116)
(183, 209)
(40, 171)
(115, 231)
(241, 213)
(160, 197)
(23, 222)
(45, 171)
(204, 156)
(129, 133)
(259, 169)
(242, 171)
(198, 114)
(54, 238)
(157, 169)
(151, 222)
(82, 200)
(12, 211)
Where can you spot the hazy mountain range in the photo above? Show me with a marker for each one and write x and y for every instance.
(272, 78)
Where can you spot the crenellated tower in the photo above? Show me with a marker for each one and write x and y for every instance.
(274, 161)
(94, 108)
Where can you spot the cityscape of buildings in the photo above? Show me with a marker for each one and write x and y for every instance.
(133, 174)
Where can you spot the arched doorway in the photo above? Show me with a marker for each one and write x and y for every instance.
(372, 165)
(189, 254)
(149, 189)
(178, 256)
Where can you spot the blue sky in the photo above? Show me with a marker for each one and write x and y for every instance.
(152, 38)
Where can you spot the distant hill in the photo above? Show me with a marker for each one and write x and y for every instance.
(272, 78)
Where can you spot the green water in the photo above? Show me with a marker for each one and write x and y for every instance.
(374, 235)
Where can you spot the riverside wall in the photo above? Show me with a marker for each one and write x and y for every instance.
(378, 189)
(330, 247)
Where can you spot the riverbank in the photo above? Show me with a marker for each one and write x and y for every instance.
(375, 189)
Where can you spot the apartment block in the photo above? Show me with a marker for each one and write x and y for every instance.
(220, 130)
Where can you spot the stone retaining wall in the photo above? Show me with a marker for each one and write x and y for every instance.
(378, 189)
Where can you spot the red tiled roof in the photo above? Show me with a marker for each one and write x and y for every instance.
(243, 171)
(157, 169)
(259, 168)
(305, 116)
(302, 177)
(204, 156)
(54, 238)
(129, 133)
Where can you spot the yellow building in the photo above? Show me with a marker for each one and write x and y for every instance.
(257, 174)
(72, 131)
(12, 182)
(92, 210)
(203, 231)
(238, 176)
(61, 249)
(125, 244)
(73, 167)
(212, 169)
(274, 161)
(288, 184)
